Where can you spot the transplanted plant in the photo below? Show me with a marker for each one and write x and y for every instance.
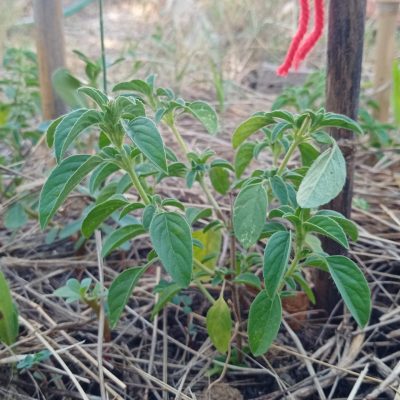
(275, 207)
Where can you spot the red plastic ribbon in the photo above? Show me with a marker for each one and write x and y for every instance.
(300, 46)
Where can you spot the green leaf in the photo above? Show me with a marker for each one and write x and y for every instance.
(219, 325)
(15, 217)
(276, 258)
(148, 215)
(205, 114)
(120, 291)
(349, 227)
(136, 85)
(324, 180)
(265, 317)
(51, 131)
(71, 126)
(172, 240)
(243, 157)
(120, 236)
(62, 180)
(8, 314)
(248, 127)
(396, 91)
(308, 153)
(193, 214)
(144, 133)
(165, 296)
(249, 214)
(211, 241)
(96, 95)
(304, 286)
(340, 121)
(326, 226)
(131, 207)
(129, 107)
(219, 178)
(98, 214)
(280, 190)
(100, 174)
(249, 279)
(352, 286)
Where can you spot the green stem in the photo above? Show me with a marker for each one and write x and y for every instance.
(211, 199)
(205, 292)
(288, 156)
(179, 138)
(203, 267)
(135, 179)
(299, 137)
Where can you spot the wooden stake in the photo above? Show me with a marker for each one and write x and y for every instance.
(385, 53)
(50, 49)
(344, 60)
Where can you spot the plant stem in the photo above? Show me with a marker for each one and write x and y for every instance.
(211, 199)
(288, 156)
(203, 267)
(236, 296)
(203, 185)
(205, 292)
(179, 138)
(134, 178)
(299, 137)
(103, 50)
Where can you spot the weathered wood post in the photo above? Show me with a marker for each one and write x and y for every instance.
(344, 60)
(384, 55)
(48, 18)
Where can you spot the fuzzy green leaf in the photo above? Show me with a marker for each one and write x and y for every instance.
(95, 94)
(265, 317)
(219, 325)
(62, 180)
(243, 157)
(349, 227)
(8, 314)
(144, 134)
(248, 127)
(352, 286)
(205, 114)
(249, 214)
(120, 291)
(249, 279)
(120, 236)
(324, 180)
(172, 240)
(340, 121)
(276, 258)
(219, 178)
(136, 85)
(100, 174)
(71, 126)
(98, 214)
(51, 131)
(326, 226)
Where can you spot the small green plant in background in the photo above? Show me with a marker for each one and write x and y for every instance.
(19, 103)
(19, 109)
(396, 91)
(9, 326)
(66, 84)
(275, 207)
(311, 95)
